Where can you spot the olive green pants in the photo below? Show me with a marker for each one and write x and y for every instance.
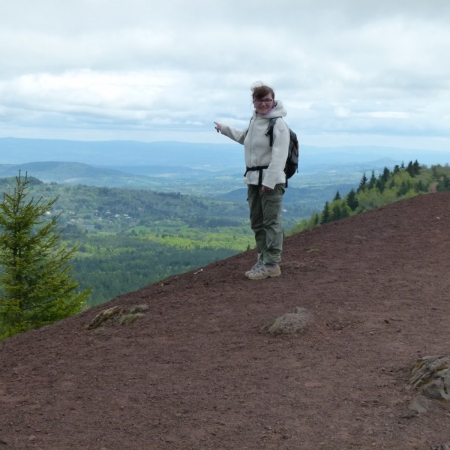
(265, 220)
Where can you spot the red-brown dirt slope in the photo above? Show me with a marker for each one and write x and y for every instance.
(196, 371)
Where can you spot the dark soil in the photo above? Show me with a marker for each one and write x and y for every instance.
(197, 370)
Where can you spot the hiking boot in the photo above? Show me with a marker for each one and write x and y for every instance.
(258, 263)
(265, 271)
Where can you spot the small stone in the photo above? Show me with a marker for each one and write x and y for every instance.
(290, 323)
(420, 404)
(431, 375)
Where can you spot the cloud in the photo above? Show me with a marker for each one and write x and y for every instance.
(115, 67)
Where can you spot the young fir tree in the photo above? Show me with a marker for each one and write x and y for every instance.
(443, 184)
(380, 184)
(410, 169)
(362, 184)
(404, 188)
(386, 174)
(373, 180)
(337, 196)
(352, 201)
(36, 286)
(420, 187)
(316, 220)
(325, 218)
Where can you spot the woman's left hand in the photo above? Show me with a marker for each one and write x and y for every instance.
(265, 189)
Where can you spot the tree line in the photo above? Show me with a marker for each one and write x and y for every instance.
(388, 187)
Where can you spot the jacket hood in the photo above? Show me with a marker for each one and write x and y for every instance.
(276, 111)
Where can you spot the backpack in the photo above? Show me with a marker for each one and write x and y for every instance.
(291, 165)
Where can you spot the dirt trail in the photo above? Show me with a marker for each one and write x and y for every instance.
(196, 371)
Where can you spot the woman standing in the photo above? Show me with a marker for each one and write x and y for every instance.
(265, 177)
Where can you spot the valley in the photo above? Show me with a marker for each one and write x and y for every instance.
(175, 208)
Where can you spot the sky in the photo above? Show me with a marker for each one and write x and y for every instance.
(349, 72)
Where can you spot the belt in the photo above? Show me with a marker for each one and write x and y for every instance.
(260, 169)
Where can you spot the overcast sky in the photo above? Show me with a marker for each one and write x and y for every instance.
(349, 72)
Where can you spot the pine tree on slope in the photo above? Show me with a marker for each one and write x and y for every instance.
(36, 286)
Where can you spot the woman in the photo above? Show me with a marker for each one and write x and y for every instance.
(265, 177)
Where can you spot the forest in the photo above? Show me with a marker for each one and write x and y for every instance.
(130, 238)
(404, 181)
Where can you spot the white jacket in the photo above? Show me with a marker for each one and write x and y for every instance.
(257, 146)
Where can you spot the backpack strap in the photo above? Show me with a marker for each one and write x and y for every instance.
(260, 168)
(270, 128)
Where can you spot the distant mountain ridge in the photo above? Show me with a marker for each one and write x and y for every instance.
(120, 153)
(205, 156)
(161, 178)
(208, 170)
(75, 173)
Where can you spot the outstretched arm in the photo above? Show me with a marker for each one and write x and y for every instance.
(232, 133)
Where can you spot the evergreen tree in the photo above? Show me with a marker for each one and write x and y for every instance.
(325, 218)
(362, 183)
(386, 174)
(381, 184)
(373, 180)
(316, 219)
(337, 196)
(443, 184)
(416, 166)
(410, 169)
(352, 201)
(420, 187)
(404, 188)
(36, 284)
(396, 169)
